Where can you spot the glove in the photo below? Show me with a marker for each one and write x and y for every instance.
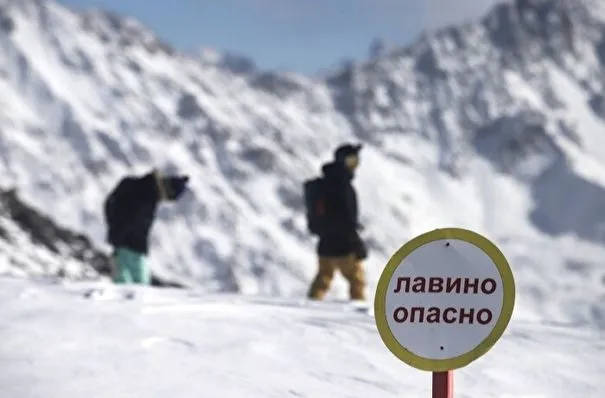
(177, 186)
(361, 250)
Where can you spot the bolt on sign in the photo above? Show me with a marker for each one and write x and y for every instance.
(444, 299)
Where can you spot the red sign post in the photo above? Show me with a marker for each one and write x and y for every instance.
(443, 384)
(442, 301)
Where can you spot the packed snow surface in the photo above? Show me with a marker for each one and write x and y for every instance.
(58, 340)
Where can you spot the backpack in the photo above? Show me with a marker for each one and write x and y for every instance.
(315, 203)
(109, 206)
(110, 209)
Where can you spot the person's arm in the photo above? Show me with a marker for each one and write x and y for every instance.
(361, 250)
(352, 221)
(344, 208)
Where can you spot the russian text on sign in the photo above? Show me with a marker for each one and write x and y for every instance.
(445, 285)
(448, 315)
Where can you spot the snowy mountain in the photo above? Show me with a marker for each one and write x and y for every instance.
(494, 125)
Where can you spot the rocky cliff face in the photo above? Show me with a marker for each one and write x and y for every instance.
(33, 245)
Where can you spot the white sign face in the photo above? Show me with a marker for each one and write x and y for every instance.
(444, 299)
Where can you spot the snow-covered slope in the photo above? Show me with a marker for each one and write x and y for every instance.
(496, 126)
(177, 343)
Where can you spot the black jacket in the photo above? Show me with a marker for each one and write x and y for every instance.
(130, 211)
(342, 237)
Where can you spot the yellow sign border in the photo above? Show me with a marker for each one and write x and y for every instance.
(441, 365)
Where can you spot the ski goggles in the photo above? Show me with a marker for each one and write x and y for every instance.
(351, 161)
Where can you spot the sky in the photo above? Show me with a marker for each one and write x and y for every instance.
(296, 35)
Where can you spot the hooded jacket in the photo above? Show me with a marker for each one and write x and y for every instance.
(130, 208)
(341, 206)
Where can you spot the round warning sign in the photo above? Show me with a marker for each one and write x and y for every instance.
(444, 299)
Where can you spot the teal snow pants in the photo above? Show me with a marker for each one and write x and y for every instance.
(131, 267)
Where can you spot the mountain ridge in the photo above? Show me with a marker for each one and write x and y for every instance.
(457, 131)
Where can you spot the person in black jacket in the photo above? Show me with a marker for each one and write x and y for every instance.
(129, 211)
(340, 247)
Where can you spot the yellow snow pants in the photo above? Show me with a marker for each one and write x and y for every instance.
(349, 266)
